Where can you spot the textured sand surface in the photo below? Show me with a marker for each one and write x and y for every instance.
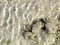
(29, 22)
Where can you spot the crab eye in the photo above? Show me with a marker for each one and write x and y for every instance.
(43, 28)
(42, 20)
